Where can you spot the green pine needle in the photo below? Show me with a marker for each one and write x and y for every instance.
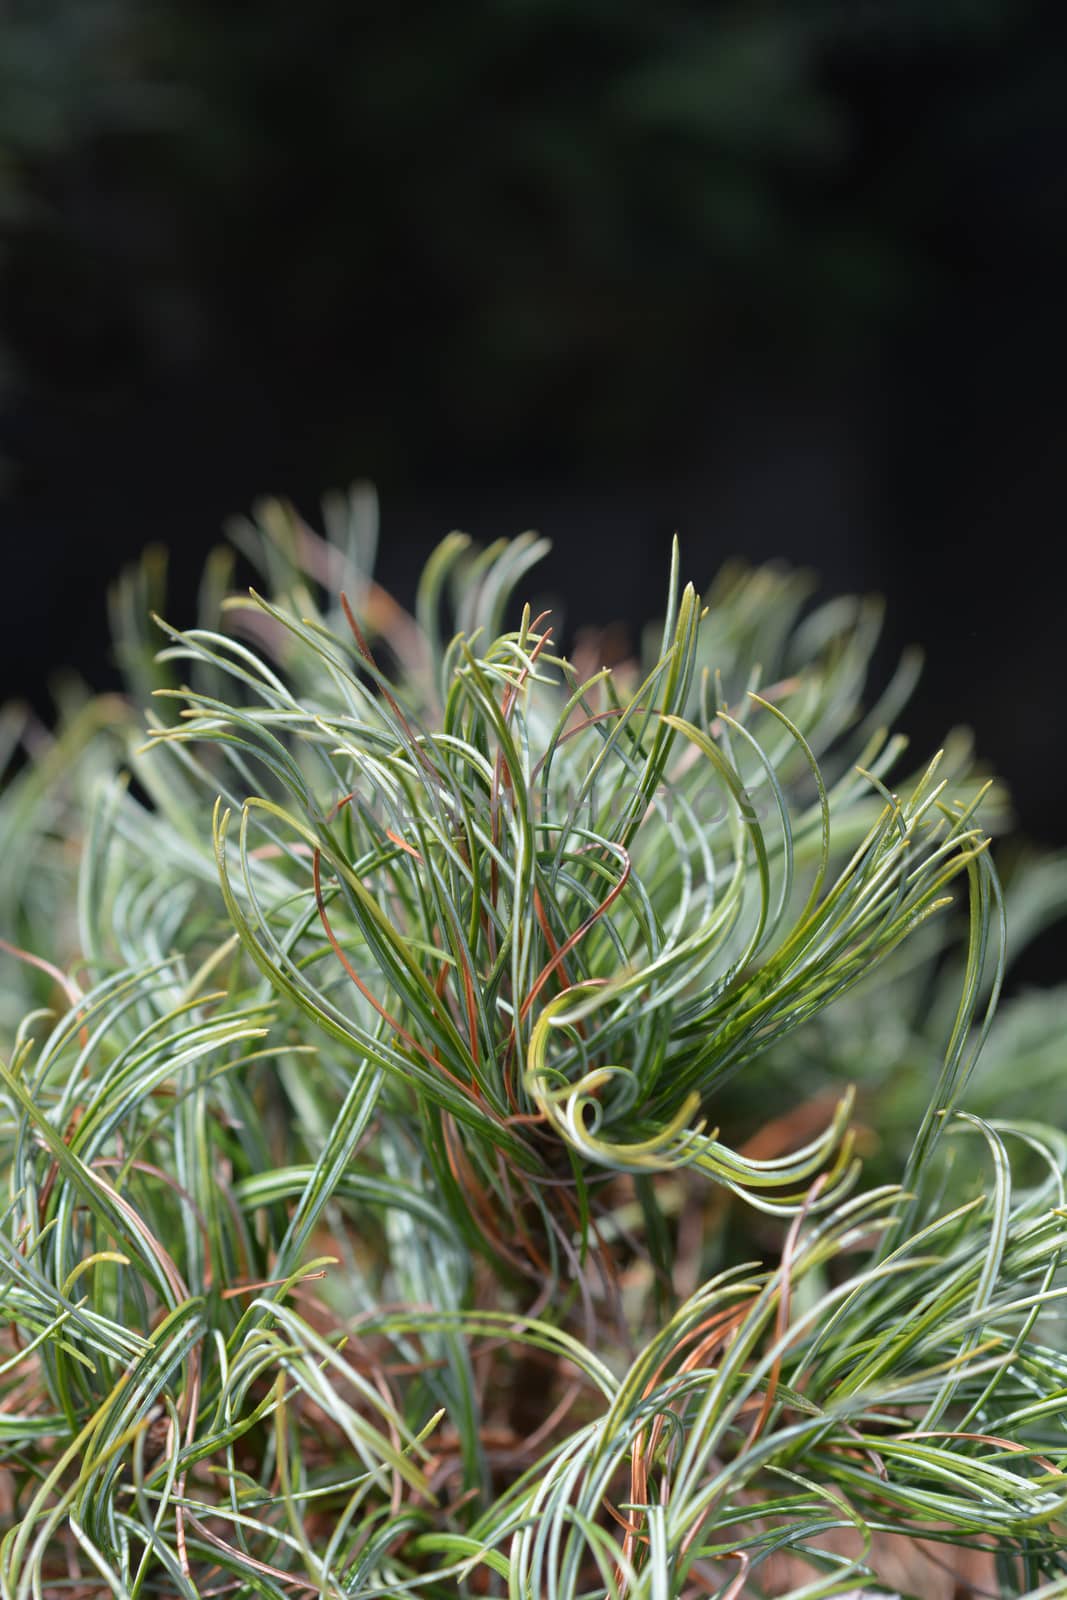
(434, 1165)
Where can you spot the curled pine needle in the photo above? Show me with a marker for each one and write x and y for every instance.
(482, 1125)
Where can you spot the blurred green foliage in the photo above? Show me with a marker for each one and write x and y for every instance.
(508, 201)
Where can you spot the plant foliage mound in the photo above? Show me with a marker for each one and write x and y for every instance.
(429, 1110)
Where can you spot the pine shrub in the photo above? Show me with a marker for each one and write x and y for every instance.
(482, 1125)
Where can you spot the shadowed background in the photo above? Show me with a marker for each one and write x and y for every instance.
(784, 277)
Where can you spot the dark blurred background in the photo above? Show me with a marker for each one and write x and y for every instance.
(787, 278)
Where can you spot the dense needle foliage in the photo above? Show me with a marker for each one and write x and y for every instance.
(433, 1161)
